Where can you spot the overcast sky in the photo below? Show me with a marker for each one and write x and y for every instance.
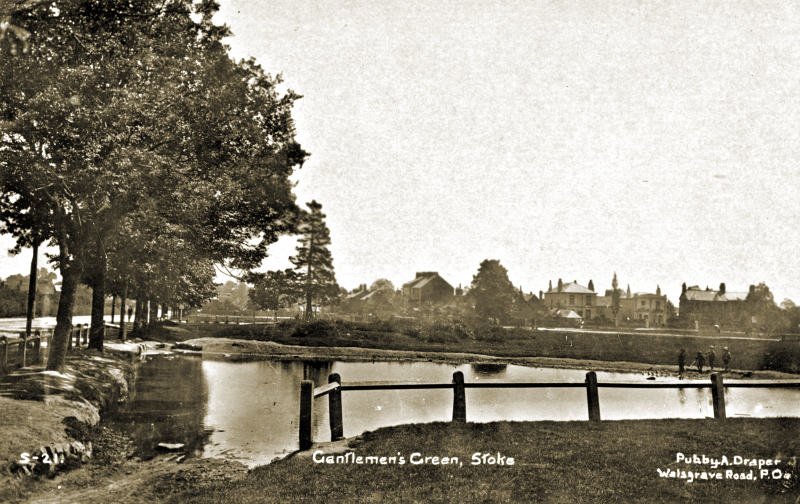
(660, 140)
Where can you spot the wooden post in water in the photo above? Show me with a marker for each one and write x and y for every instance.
(3, 354)
(718, 396)
(335, 408)
(591, 396)
(459, 398)
(37, 347)
(22, 349)
(306, 403)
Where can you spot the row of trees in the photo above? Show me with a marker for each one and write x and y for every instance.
(133, 143)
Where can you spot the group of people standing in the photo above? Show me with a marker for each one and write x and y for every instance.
(700, 360)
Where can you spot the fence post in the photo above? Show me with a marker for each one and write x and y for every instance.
(85, 334)
(4, 354)
(22, 349)
(37, 347)
(592, 397)
(718, 396)
(306, 403)
(459, 398)
(69, 339)
(335, 408)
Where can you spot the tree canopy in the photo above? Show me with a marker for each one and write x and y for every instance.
(313, 264)
(134, 144)
(491, 290)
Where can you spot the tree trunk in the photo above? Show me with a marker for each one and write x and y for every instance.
(113, 306)
(69, 285)
(122, 327)
(96, 332)
(137, 314)
(308, 278)
(153, 316)
(32, 291)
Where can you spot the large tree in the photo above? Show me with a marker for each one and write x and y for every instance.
(491, 290)
(313, 263)
(274, 290)
(133, 108)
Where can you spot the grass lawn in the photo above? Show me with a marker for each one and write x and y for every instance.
(567, 462)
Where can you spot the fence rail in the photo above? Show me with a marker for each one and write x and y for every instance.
(27, 350)
(334, 388)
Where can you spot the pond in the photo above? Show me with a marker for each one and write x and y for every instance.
(248, 411)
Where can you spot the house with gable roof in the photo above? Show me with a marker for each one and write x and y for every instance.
(709, 307)
(572, 296)
(427, 287)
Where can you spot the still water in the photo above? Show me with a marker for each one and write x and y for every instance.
(248, 411)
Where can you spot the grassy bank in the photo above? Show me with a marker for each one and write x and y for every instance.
(47, 409)
(643, 348)
(553, 462)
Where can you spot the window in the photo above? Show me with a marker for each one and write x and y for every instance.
(644, 303)
(572, 299)
(658, 305)
(588, 300)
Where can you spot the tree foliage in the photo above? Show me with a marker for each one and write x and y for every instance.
(274, 290)
(491, 290)
(148, 153)
(313, 264)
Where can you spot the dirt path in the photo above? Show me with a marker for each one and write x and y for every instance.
(133, 482)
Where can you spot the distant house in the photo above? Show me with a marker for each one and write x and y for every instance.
(709, 307)
(646, 307)
(427, 287)
(572, 296)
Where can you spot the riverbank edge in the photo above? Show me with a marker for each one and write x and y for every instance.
(54, 411)
(258, 350)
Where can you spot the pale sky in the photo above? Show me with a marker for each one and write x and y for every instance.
(660, 140)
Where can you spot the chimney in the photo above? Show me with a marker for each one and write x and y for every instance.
(722, 288)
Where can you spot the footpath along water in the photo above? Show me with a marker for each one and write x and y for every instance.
(248, 411)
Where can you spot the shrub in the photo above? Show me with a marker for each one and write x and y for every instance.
(782, 356)
(316, 329)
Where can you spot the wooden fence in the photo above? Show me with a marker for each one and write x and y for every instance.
(27, 351)
(335, 387)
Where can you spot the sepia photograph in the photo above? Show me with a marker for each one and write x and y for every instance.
(276, 251)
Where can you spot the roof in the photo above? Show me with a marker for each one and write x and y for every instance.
(571, 288)
(358, 294)
(423, 279)
(564, 313)
(712, 295)
(701, 295)
(734, 296)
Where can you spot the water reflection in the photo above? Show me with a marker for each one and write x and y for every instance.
(167, 405)
(248, 411)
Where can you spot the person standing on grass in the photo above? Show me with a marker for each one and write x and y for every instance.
(681, 360)
(726, 358)
(711, 357)
(699, 361)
